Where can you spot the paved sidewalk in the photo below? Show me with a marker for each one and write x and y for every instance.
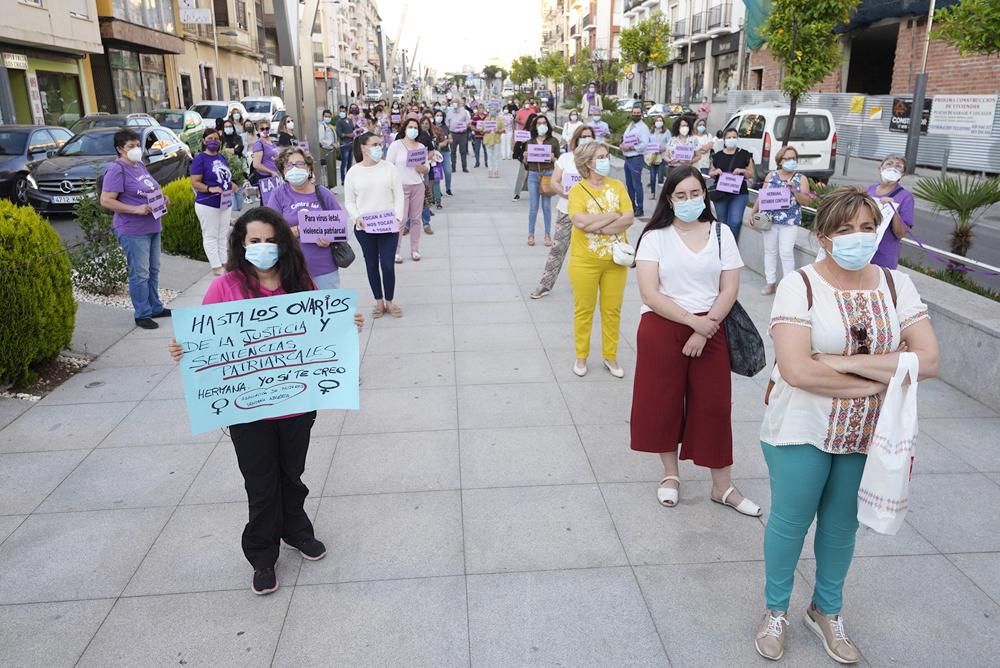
(483, 507)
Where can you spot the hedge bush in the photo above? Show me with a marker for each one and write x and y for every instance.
(36, 294)
(100, 263)
(181, 230)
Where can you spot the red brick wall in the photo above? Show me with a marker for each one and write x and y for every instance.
(772, 71)
(948, 72)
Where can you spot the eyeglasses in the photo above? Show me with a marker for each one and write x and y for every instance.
(299, 163)
(860, 336)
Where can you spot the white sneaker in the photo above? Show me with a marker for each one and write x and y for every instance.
(416, 256)
(399, 259)
(581, 371)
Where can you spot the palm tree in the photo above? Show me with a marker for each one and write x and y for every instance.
(964, 198)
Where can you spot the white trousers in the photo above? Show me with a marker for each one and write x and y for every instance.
(779, 241)
(214, 233)
(506, 144)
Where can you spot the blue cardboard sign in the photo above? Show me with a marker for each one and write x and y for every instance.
(263, 358)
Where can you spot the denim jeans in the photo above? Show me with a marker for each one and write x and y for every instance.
(730, 211)
(346, 157)
(329, 281)
(633, 180)
(238, 198)
(656, 173)
(534, 195)
(447, 170)
(142, 252)
(477, 147)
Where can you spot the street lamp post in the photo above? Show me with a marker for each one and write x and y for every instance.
(917, 108)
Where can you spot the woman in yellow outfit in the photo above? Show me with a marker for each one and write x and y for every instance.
(601, 212)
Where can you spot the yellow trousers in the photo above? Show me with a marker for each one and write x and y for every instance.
(587, 275)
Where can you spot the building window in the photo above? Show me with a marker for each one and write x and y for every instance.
(234, 89)
(78, 8)
(139, 81)
(246, 88)
(33, 3)
(725, 75)
(155, 14)
(61, 101)
(256, 88)
(241, 14)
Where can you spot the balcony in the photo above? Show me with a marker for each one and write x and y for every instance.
(697, 23)
(590, 22)
(720, 16)
(238, 41)
(680, 29)
(573, 30)
(632, 4)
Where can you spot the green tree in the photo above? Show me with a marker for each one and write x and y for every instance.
(800, 36)
(971, 26)
(490, 73)
(459, 81)
(965, 199)
(593, 66)
(647, 44)
(524, 70)
(552, 66)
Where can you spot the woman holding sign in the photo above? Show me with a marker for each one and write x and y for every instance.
(409, 157)
(298, 196)
(889, 190)
(265, 260)
(783, 194)
(130, 191)
(731, 167)
(264, 153)
(373, 187)
(540, 154)
(213, 198)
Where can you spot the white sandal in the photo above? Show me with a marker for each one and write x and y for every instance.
(668, 496)
(745, 507)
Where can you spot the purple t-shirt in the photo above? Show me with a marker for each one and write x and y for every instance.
(131, 184)
(214, 171)
(887, 254)
(267, 160)
(288, 203)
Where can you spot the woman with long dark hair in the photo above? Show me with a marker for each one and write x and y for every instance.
(264, 261)
(412, 179)
(688, 270)
(539, 171)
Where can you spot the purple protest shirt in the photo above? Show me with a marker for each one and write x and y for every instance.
(270, 151)
(887, 254)
(214, 171)
(287, 202)
(132, 184)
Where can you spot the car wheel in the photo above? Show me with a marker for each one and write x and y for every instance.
(21, 189)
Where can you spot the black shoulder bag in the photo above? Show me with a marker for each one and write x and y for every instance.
(746, 348)
(343, 254)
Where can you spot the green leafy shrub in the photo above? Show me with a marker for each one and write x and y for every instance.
(99, 263)
(617, 122)
(36, 294)
(181, 230)
(237, 165)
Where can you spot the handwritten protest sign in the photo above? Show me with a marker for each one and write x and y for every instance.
(459, 126)
(683, 152)
(888, 210)
(773, 199)
(157, 203)
(380, 222)
(488, 126)
(539, 153)
(630, 141)
(265, 186)
(416, 157)
(394, 118)
(729, 183)
(226, 199)
(522, 135)
(263, 358)
(328, 225)
(569, 180)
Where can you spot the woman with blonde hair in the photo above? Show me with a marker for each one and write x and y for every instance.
(601, 212)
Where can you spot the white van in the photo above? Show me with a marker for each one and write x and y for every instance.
(212, 110)
(814, 136)
(262, 108)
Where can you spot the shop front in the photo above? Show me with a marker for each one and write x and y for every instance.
(46, 87)
(725, 65)
(692, 85)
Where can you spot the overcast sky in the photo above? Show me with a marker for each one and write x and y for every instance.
(456, 34)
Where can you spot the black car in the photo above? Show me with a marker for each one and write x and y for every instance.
(21, 145)
(56, 184)
(105, 120)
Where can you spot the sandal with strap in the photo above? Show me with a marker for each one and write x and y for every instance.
(668, 496)
(395, 311)
(744, 507)
(378, 311)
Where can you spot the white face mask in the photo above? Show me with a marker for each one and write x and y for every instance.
(891, 175)
(730, 142)
(290, 125)
(542, 130)
(411, 133)
(685, 129)
(134, 154)
(573, 117)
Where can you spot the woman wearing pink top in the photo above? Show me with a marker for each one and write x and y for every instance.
(264, 261)
(401, 153)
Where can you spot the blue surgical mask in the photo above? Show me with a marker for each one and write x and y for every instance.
(263, 255)
(296, 176)
(411, 133)
(853, 251)
(731, 142)
(790, 165)
(375, 153)
(602, 166)
(342, 114)
(689, 210)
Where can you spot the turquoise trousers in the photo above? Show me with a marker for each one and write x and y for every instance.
(807, 483)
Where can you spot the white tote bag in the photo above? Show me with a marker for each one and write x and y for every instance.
(884, 494)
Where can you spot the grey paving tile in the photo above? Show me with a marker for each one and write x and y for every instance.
(328, 423)
(695, 531)
(407, 370)
(974, 440)
(494, 337)
(432, 277)
(394, 623)
(49, 634)
(220, 480)
(139, 351)
(8, 523)
(937, 399)
(108, 384)
(224, 628)
(538, 528)
(428, 294)
(163, 422)
(475, 313)
(464, 262)
(948, 510)
(607, 402)
(386, 536)
(502, 366)
(481, 276)
(411, 409)
(63, 427)
(593, 617)
(410, 340)
(932, 456)
(417, 315)
(524, 404)
(983, 569)
(199, 550)
(523, 456)
(401, 462)
(27, 478)
(608, 450)
(10, 409)
(70, 556)
(564, 357)
(170, 387)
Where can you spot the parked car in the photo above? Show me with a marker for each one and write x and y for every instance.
(262, 108)
(105, 120)
(546, 95)
(373, 95)
(187, 125)
(56, 184)
(814, 137)
(20, 146)
(665, 110)
(212, 110)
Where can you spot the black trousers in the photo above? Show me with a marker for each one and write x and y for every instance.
(380, 253)
(346, 158)
(459, 144)
(272, 457)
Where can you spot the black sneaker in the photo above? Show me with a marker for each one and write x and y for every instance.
(311, 549)
(165, 313)
(146, 323)
(265, 581)
(450, 193)
(517, 197)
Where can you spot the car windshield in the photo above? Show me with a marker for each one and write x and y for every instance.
(111, 122)
(96, 143)
(12, 142)
(257, 106)
(806, 127)
(171, 119)
(210, 110)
